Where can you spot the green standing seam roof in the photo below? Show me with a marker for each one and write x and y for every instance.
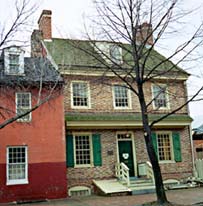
(65, 53)
(123, 117)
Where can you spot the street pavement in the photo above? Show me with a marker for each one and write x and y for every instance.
(184, 197)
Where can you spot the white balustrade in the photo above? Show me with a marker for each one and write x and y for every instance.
(122, 173)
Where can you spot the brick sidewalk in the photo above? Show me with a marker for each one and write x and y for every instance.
(186, 197)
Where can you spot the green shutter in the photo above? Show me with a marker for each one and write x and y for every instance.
(154, 141)
(96, 141)
(177, 147)
(69, 151)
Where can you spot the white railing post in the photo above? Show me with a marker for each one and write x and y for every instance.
(122, 172)
(150, 173)
(199, 167)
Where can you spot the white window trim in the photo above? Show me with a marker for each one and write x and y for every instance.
(88, 95)
(91, 150)
(171, 146)
(132, 139)
(167, 97)
(30, 107)
(15, 51)
(21, 181)
(129, 98)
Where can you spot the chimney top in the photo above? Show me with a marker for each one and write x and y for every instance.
(44, 24)
(44, 12)
(145, 33)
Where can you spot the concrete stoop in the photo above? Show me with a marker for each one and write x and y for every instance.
(110, 187)
(116, 187)
(141, 186)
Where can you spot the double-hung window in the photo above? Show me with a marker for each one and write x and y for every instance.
(14, 63)
(160, 96)
(121, 97)
(23, 105)
(80, 95)
(82, 149)
(164, 143)
(167, 146)
(17, 169)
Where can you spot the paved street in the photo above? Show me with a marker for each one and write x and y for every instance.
(186, 197)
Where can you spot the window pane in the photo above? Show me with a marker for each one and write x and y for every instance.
(23, 105)
(82, 149)
(80, 94)
(159, 93)
(164, 147)
(13, 63)
(16, 163)
(121, 96)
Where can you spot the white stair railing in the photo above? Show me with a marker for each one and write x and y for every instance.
(149, 170)
(122, 172)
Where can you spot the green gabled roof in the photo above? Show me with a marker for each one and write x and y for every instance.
(122, 117)
(66, 53)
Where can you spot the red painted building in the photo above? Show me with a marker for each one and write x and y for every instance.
(32, 149)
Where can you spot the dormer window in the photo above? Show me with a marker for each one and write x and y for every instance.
(115, 53)
(111, 52)
(14, 61)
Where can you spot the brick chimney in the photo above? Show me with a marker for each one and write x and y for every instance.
(144, 32)
(44, 23)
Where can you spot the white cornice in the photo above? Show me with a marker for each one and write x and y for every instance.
(103, 73)
(121, 124)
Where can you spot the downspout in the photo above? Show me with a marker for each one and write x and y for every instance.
(192, 149)
(194, 172)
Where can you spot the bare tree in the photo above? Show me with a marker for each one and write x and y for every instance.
(38, 76)
(137, 26)
(19, 23)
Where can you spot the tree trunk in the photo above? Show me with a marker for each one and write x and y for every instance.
(160, 192)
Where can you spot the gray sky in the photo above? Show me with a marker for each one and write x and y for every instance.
(68, 22)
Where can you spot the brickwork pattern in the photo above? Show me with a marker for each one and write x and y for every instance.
(101, 95)
(84, 176)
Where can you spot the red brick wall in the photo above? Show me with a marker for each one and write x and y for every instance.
(45, 24)
(44, 136)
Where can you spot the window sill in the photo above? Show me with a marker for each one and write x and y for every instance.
(124, 108)
(23, 121)
(80, 107)
(161, 108)
(167, 161)
(83, 166)
(17, 182)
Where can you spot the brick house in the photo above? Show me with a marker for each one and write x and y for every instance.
(103, 121)
(32, 157)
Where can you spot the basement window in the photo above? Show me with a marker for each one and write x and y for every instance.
(79, 191)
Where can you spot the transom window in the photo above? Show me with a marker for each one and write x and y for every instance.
(124, 136)
(164, 146)
(23, 105)
(160, 96)
(82, 150)
(80, 94)
(115, 53)
(121, 96)
(14, 65)
(17, 165)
